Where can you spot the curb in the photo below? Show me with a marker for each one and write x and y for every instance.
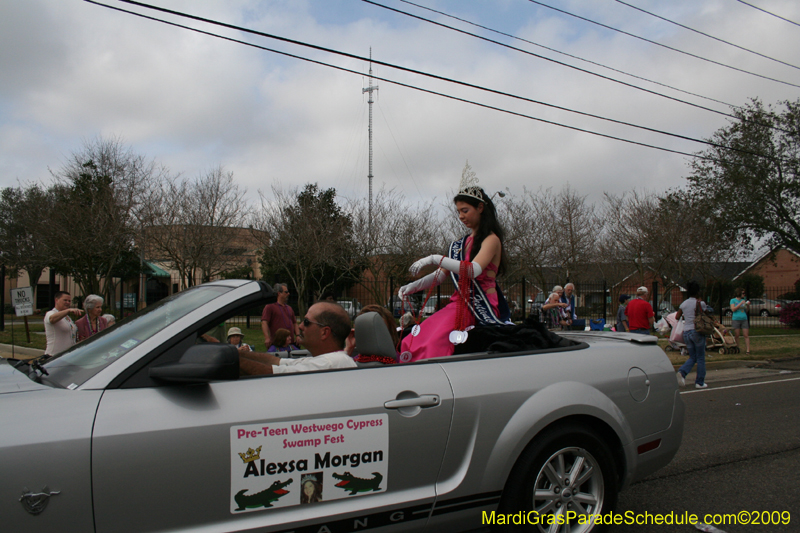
(32, 352)
(741, 363)
(734, 363)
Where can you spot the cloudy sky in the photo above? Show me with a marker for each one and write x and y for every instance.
(73, 70)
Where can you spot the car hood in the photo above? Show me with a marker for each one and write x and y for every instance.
(12, 380)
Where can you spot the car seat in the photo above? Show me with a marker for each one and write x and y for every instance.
(373, 338)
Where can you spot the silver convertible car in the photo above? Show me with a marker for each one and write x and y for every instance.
(145, 428)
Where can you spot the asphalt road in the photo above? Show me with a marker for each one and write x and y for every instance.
(740, 452)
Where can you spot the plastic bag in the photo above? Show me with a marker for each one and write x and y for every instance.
(677, 333)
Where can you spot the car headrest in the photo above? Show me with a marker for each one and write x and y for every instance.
(372, 336)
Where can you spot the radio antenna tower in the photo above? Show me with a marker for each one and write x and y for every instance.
(369, 89)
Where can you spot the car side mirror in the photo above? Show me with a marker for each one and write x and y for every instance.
(200, 364)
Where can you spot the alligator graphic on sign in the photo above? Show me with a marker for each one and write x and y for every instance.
(357, 484)
(263, 498)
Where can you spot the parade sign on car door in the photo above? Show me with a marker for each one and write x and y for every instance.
(308, 461)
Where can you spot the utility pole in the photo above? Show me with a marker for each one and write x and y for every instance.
(369, 89)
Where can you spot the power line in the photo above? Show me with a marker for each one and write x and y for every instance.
(566, 54)
(769, 13)
(707, 35)
(558, 63)
(528, 52)
(427, 74)
(420, 89)
(408, 86)
(662, 45)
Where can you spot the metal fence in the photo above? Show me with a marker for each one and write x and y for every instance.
(593, 300)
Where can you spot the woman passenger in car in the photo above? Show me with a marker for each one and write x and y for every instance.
(474, 262)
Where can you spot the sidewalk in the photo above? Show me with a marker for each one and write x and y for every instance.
(20, 352)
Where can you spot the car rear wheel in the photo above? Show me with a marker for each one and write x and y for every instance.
(764, 313)
(728, 313)
(564, 477)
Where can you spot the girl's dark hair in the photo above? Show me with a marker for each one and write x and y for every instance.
(281, 336)
(489, 224)
(692, 289)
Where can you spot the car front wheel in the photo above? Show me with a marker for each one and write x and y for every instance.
(567, 475)
(764, 313)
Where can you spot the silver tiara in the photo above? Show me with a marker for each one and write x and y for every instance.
(469, 184)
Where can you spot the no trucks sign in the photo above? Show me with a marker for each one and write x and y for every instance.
(22, 300)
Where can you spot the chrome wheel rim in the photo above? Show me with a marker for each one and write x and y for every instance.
(570, 481)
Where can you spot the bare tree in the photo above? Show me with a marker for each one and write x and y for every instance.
(400, 234)
(576, 227)
(632, 221)
(530, 239)
(190, 225)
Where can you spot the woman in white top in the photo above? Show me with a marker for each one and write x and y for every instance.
(695, 341)
(60, 330)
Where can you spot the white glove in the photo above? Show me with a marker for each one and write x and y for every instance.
(422, 263)
(431, 280)
(450, 264)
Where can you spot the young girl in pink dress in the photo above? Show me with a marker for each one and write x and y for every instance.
(477, 258)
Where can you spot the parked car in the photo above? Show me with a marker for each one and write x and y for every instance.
(399, 307)
(353, 307)
(140, 429)
(432, 305)
(760, 306)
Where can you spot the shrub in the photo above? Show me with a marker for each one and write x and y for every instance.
(790, 315)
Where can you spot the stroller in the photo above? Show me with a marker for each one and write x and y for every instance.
(721, 339)
(670, 325)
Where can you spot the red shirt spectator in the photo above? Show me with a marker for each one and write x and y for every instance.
(640, 313)
(279, 315)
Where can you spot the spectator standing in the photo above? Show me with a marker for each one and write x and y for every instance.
(554, 312)
(568, 297)
(694, 340)
(640, 313)
(235, 337)
(739, 320)
(60, 330)
(92, 323)
(622, 321)
(279, 315)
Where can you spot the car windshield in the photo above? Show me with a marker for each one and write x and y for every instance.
(73, 367)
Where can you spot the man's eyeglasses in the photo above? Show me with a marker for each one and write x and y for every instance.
(307, 322)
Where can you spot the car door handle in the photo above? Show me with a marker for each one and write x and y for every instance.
(426, 400)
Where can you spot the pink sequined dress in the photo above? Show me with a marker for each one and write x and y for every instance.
(433, 339)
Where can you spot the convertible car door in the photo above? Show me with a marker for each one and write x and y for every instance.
(363, 445)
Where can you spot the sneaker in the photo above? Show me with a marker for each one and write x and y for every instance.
(699, 386)
(681, 381)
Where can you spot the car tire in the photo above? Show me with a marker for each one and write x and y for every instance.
(538, 482)
(764, 313)
(728, 313)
